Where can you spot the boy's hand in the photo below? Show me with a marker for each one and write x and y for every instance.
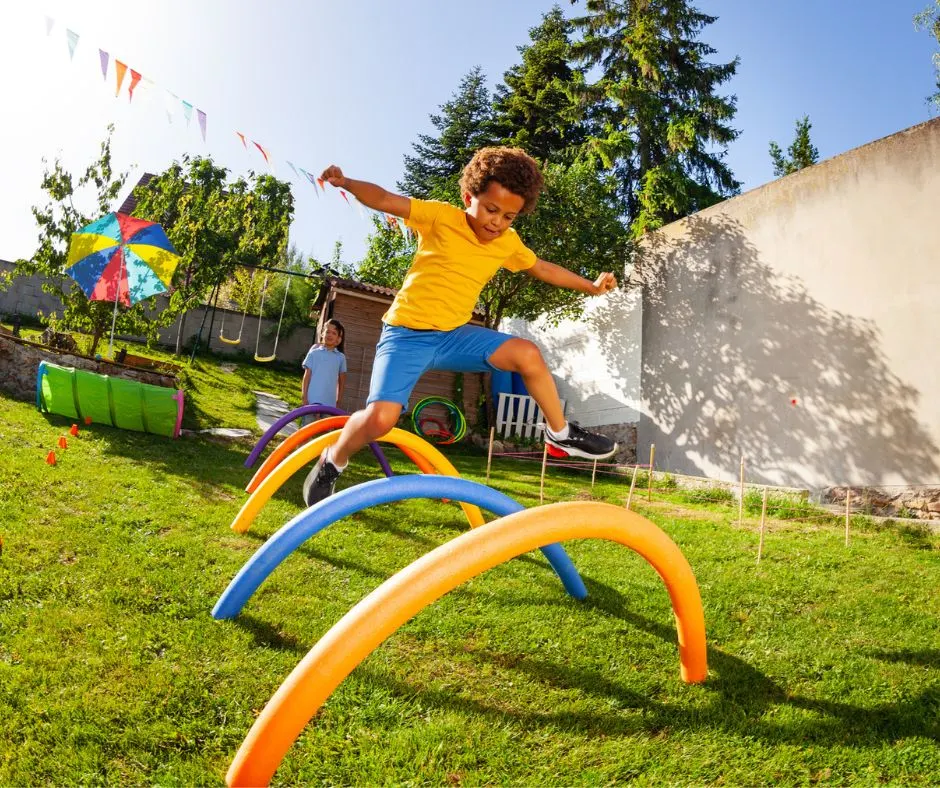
(334, 176)
(604, 283)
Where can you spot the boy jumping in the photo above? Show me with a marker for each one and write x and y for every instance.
(427, 326)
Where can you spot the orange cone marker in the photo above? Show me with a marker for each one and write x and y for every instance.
(50, 458)
(74, 431)
(63, 443)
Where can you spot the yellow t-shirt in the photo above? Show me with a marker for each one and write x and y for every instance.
(450, 268)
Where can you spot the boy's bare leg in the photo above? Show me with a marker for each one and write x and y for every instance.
(524, 357)
(363, 427)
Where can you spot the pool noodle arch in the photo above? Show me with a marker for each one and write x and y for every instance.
(374, 493)
(307, 410)
(424, 581)
(310, 451)
(306, 433)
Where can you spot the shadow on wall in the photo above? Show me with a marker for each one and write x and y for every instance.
(739, 358)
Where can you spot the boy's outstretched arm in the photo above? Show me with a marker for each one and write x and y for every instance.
(562, 277)
(369, 194)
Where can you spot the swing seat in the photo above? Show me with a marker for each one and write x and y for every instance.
(227, 341)
(265, 359)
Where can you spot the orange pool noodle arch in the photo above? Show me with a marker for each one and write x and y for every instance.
(416, 586)
(310, 451)
(308, 432)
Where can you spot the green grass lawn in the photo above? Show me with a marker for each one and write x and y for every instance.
(824, 660)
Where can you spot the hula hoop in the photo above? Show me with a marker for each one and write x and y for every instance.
(460, 427)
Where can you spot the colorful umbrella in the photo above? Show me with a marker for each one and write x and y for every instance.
(122, 259)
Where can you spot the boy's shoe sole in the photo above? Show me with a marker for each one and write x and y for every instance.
(573, 452)
(314, 492)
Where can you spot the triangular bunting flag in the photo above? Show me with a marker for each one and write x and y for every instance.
(119, 71)
(345, 197)
(135, 79)
(242, 138)
(201, 117)
(267, 158)
(50, 23)
(187, 112)
(171, 102)
(73, 42)
(103, 56)
(359, 208)
(294, 169)
(313, 181)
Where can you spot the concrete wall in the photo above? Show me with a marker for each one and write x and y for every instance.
(596, 362)
(798, 323)
(26, 297)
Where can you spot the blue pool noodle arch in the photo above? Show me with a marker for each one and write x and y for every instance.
(363, 496)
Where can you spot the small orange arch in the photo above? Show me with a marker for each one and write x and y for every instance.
(310, 451)
(308, 432)
(424, 581)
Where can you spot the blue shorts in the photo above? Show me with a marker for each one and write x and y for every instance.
(404, 354)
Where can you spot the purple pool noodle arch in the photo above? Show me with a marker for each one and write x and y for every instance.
(308, 410)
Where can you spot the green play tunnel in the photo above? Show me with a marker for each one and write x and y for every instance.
(118, 402)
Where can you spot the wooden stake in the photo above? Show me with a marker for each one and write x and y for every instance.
(489, 455)
(741, 500)
(593, 474)
(632, 485)
(763, 517)
(649, 489)
(542, 481)
(848, 503)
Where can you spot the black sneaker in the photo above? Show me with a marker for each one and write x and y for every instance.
(320, 481)
(581, 443)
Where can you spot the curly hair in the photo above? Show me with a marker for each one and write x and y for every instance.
(511, 168)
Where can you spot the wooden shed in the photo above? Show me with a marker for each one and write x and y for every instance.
(359, 307)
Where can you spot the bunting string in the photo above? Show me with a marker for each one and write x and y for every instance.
(173, 103)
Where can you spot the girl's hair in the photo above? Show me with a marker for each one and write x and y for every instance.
(511, 168)
(341, 347)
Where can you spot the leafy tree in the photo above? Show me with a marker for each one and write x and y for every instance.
(929, 19)
(388, 257)
(533, 108)
(214, 225)
(661, 126)
(801, 153)
(98, 187)
(465, 124)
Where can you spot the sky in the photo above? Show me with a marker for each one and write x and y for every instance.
(354, 84)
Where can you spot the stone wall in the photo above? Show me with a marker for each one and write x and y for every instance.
(20, 359)
(921, 502)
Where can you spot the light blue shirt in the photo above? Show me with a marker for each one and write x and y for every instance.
(325, 366)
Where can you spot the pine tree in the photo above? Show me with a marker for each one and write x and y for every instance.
(465, 124)
(663, 128)
(533, 107)
(801, 153)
